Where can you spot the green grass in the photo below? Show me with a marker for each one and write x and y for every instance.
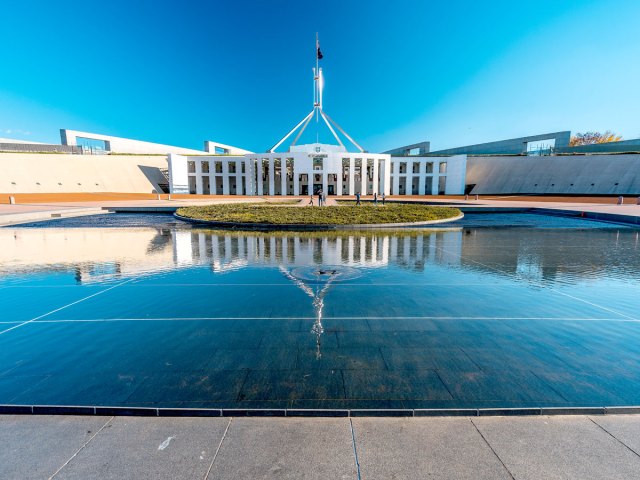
(336, 215)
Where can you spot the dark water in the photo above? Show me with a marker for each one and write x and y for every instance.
(147, 311)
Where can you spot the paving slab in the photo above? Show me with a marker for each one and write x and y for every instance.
(35, 447)
(286, 448)
(154, 448)
(417, 448)
(562, 447)
(625, 428)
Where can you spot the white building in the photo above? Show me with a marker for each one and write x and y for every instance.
(309, 168)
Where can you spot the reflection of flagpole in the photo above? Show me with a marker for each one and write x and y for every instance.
(318, 304)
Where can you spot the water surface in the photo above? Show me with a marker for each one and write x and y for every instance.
(492, 311)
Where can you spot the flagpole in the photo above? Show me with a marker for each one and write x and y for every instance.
(317, 89)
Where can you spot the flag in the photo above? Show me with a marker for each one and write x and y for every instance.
(319, 52)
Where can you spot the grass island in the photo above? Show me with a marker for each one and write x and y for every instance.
(274, 216)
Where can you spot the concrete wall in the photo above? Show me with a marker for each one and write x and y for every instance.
(210, 147)
(580, 174)
(624, 146)
(124, 145)
(512, 146)
(53, 173)
(422, 147)
(38, 147)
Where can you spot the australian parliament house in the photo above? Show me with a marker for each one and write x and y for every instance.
(309, 168)
(296, 165)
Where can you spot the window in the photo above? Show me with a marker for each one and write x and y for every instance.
(416, 167)
(429, 167)
(290, 166)
(218, 167)
(205, 166)
(443, 167)
(442, 183)
(232, 167)
(317, 163)
(403, 167)
(428, 186)
(191, 166)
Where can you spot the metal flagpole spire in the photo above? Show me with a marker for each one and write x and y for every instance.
(318, 85)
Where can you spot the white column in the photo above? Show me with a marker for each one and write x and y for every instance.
(396, 180)
(421, 184)
(408, 182)
(339, 181)
(259, 177)
(296, 180)
(363, 177)
(239, 178)
(387, 176)
(325, 183)
(249, 175)
(272, 177)
(225, 177)
(434, 184)
(375, 175)
(198, 177)
(352, 173)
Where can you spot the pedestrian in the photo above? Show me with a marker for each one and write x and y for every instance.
(383, 197)
(319, 198)
(375, 198)
(620, 200)
(311, 200)
(358, 198)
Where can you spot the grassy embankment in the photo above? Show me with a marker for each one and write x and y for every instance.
(334, 215)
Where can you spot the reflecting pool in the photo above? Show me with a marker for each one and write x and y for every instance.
(491, 311)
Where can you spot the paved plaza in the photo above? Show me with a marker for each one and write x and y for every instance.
(495, 448)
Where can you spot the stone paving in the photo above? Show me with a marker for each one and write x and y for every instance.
(556, 447)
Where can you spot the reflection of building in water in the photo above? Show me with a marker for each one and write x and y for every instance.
(229, 251)
(550, 254)
(93, 253)
(98, 253)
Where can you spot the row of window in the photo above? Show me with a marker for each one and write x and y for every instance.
(317, 165)
(217, 166)
(442, 168)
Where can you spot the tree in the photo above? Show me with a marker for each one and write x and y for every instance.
(589, 138)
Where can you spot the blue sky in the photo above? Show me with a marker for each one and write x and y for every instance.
(454, 73)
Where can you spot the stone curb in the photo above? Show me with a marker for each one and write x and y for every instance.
(304, 227)
(302, 412)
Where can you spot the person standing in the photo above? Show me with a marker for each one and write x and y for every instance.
(383, 196)
(357, 198)
(375, 198)
(319, 198)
